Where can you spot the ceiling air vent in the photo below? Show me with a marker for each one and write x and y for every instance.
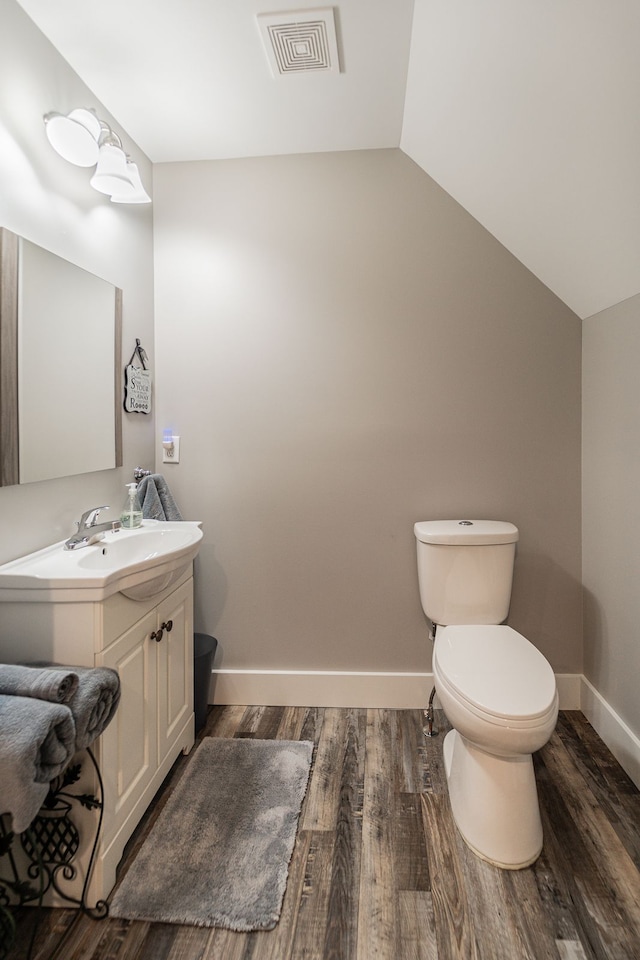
(300, 41)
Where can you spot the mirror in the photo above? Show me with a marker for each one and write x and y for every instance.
(60, 357)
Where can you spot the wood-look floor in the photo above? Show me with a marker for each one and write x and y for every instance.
(379, 871)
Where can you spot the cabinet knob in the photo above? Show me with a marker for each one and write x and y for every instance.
(157, 635)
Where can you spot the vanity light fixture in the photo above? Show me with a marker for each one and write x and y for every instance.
(75, 137)
(139, 194)
(86, 141)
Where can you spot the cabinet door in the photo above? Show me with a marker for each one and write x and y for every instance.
(129, 745)
(175, 667)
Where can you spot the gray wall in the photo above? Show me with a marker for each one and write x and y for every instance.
(344, 350)
(49, 201)
(611, 485)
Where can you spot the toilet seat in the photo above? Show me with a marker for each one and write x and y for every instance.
(497, 674)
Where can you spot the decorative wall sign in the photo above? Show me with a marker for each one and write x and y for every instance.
(137, 383)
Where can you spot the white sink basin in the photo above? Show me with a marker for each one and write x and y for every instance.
(138, 563)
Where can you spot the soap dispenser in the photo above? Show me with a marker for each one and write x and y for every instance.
(131, 515)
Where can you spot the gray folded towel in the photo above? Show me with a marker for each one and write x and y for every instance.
(156, 500)
(94, 702)
(43, 683)
(37, 740)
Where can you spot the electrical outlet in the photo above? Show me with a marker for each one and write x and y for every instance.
(171, 450)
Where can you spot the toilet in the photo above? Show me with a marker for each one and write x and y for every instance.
(497, 690)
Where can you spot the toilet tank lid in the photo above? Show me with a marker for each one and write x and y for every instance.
(473, 532)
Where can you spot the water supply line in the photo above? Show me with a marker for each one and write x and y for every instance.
(428, 713)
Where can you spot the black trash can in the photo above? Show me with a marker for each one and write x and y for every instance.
(204, 648)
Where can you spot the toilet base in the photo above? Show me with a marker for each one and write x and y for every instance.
(494, 803)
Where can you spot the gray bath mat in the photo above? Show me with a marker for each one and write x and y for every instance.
(219, 853)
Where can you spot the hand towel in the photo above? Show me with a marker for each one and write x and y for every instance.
(44, 683)
(94, 702)
(37, 740)
(156, 500)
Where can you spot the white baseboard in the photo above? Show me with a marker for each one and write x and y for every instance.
(620, 738)
(407, 691)
(321, 688)
(338, 688)
(569, 690)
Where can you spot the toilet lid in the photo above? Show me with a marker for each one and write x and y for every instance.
(496, 669)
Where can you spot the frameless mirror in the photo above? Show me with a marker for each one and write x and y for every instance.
(60, 384)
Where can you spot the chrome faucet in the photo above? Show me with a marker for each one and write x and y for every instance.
(89, 530)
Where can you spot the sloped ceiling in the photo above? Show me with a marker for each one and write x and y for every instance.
(528, 113)
(525, 111)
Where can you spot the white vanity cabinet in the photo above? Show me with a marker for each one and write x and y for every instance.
(154, 720)
(150, 643)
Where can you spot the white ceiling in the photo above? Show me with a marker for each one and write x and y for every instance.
(526, 111)
(190, 79)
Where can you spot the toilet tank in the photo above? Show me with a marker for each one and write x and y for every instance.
(465, 569)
